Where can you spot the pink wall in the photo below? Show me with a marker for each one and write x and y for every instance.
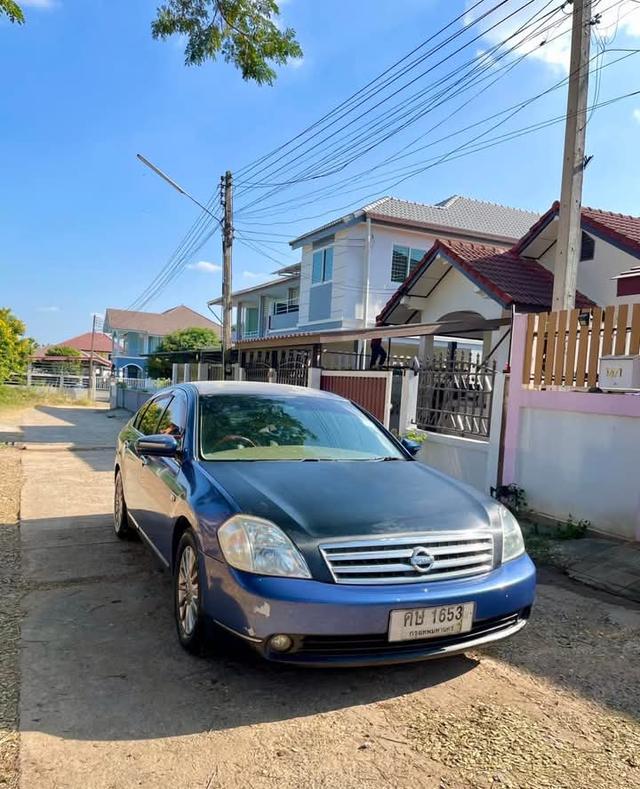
(575, 402)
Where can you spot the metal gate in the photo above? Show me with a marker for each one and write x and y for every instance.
(257, 371)
(455, 396)
(294, 370)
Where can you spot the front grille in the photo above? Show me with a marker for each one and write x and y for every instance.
(394, 560)
(327, 647)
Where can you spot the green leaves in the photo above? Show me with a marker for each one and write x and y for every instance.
(15, 349)
(242, 31)
(62, 350)
(182, 340)
(12, 10)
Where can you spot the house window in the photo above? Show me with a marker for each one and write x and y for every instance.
(322, 267)
(587, 247)
(153, 343)
(403, 262)
(250, 321)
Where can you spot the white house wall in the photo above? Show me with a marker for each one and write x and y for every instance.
(595, 276)
(380, 284)
(456, 293)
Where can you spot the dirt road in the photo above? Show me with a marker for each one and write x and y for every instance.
(108, 699)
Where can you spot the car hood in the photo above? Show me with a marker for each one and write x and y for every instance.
(318, 501)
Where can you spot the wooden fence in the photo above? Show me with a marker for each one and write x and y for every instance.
(564, 348)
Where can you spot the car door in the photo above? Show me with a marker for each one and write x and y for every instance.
(161, 479)
(145, 423)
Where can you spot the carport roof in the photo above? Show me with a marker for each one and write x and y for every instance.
(505, 276)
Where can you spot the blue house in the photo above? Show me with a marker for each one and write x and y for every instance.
(136, 334)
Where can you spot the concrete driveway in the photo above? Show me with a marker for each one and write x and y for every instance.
(109, 699)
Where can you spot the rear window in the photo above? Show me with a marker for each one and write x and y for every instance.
(262, 427)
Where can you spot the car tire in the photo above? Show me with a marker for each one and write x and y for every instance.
(191, 623)
(121, 523)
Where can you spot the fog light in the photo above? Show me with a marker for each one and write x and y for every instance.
(280, 643)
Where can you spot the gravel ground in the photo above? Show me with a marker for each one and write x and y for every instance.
(9, 614)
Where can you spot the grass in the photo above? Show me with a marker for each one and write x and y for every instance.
(16, 397)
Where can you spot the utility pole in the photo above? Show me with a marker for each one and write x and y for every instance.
(226, 195)
(569, 231)
(93, 342)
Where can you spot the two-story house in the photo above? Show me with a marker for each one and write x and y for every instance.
(136, 334)
(351, 266)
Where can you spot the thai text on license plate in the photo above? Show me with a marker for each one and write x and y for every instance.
(434, 622)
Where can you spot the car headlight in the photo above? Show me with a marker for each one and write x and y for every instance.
(259, 546)
(512, 541)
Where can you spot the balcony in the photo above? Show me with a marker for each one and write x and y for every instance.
(284, 315)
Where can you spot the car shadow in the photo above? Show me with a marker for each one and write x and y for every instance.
(101, 660)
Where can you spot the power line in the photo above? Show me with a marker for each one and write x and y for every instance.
(513, 109)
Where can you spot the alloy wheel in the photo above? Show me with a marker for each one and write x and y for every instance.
(118, 506)
(188, 591)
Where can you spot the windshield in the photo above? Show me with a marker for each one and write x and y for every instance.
(290, 427)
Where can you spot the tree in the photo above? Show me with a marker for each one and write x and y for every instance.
(72, 366)
(12, 10)
(183, 340)
(15, 348)
(243, 31)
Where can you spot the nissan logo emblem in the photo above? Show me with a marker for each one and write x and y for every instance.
(421, 560)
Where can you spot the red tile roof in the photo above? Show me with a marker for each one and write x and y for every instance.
(506, 276)
(102, 342)
(621, 229)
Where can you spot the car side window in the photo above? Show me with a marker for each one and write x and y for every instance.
(150, 420)
(174, 420)
(139, 415)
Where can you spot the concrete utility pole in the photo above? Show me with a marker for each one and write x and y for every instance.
(569, 232)
(92, 382)
(226, 195)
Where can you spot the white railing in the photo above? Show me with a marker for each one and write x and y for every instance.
(287, 305)
(143, 384)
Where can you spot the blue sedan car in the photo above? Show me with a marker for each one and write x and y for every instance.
(292, 519)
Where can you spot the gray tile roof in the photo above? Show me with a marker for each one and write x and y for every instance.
(457, 213)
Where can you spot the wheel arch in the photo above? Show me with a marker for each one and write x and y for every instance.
(180, 527)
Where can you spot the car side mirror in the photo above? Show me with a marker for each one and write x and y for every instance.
(412, 447)
(157, 445)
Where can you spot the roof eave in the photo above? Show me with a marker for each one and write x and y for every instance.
(326, 230)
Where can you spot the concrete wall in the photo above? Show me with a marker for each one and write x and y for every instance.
(462, 458)
(583, 464)
(574, 452)
(131, 399)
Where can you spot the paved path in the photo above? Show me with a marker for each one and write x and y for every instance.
(110, 701)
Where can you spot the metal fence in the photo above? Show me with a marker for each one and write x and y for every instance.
(257, 371)
(455, 396)
(294, 371)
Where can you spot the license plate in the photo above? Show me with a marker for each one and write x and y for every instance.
(434, 622)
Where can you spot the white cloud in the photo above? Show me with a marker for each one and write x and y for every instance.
(296, 63)
(49, 309)
(623, 17)
(38, 3)
(204, 265)
(636, 114)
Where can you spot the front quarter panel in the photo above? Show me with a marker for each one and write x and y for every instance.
(212, 506)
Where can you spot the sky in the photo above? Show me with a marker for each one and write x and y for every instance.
(84, 226)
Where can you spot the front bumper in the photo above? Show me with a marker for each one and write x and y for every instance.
(339, 624)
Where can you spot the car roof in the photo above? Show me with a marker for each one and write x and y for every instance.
(258, 388)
